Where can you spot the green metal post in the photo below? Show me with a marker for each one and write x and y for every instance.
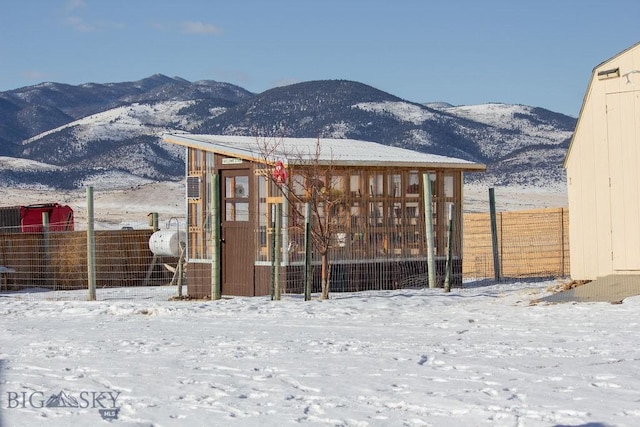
(91, 247)
(308, 272)
(449, 266)
(494, 234)
(272, 286)
(277, 252)
(428, 215)
(46, 246)
(154, 221)
(216, 288)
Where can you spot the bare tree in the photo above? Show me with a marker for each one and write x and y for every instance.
(310, 179)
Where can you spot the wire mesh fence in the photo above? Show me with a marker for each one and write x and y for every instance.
(530, 243)
(53, 265)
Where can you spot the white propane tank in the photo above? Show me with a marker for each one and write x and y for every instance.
(167, 242)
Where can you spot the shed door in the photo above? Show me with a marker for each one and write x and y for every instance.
(623, 128)
(237, 242)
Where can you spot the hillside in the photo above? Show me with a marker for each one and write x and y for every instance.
(109, 133)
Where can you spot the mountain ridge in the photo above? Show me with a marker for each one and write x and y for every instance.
(113, 129)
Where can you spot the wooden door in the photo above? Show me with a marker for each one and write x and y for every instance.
(237, 238)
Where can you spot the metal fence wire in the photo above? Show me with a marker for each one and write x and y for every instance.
(531, 243)
(53, 265)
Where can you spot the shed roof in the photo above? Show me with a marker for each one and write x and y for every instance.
(338, 152)
(594, 73)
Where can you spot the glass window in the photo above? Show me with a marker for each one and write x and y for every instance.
(236, 211)
(376, 213)
(448, 185)
(354, 186)
(376, 187)
(297, 185)
(337, 185)
(242, 187)
(413, 186)
(395, 185)
(210, 161)
(237, 187)
(242, 211)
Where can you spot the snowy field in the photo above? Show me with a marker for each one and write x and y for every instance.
(482, 355)
(130, 205)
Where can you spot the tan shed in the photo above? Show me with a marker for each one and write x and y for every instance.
(603, 172)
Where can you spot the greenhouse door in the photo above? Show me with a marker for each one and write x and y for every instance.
(237, 238)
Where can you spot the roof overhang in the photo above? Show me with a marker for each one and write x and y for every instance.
(336, 152)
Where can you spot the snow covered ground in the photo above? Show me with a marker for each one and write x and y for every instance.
(131, 204)
(482, 355)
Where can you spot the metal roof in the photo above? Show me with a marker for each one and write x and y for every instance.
(339, 152)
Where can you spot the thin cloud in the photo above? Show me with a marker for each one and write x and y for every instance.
(192, 27)
(34, 75)
(78, 23)
(158, 26)
(75, 20)
(73, 5)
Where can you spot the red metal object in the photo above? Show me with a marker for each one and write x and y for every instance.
(280, 173)
(60, 218)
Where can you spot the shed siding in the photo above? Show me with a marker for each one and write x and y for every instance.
(602, 174)
(622, 109)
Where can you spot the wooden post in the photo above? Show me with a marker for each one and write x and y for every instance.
(449, 266)
(91, 247)
(216, 287)
(428, 214)
(308, 272)
(494, 234)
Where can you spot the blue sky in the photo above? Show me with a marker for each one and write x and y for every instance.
(539, 53)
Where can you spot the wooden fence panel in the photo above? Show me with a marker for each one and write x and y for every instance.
(532, 243)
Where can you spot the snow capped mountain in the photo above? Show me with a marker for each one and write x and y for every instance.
(109, 133)
(524, 145)
(400, 110)
(525, 122)
(12, 163)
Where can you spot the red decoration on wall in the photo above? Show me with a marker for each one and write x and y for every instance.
(280, 173)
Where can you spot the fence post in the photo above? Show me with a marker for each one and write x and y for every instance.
(91, 247)
(46, 247)
(272, 243)
(276, 251)
(494, 234)
(154, 221)
(562, 241)
(308, 276)
(449, 267)
(216, 288)
(428, 213)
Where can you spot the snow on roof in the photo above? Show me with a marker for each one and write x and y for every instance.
(339, 152)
